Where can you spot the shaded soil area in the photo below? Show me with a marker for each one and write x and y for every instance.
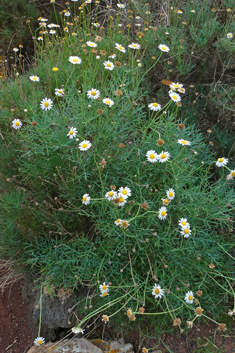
(15, 336)
(14, 328)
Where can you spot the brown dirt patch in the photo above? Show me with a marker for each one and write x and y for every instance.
(14, 328)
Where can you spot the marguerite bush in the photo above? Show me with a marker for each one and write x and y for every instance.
(94, 196)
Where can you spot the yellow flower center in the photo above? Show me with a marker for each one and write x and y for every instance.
(124, 192)
(190, 297)
(75, 60)
(120, 47)
(109, 65)
(163, 156)
(163, 213)
(183, 141)
(171, 194)
(105, 293)
(84, 145)
(152, 156)
(60, 91)
(156, 290)
(155, 104)
(174, 97)
(121, 199)
(186, 231)
(221, 160)
(108, 102)
(55, 69)
(104, 287)
(39, 342)
(233, 174)
(134, 45)
(84, 198)
(118, 221)
(17, 123)
(71, 132)
(184, 223)
(93, 93)
(176, 85)
(163, 48)
(92, 44)
(46, 104)
(34, 78)
(166, 201)
(110, 193)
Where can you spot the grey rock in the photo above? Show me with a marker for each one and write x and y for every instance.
(56, 314)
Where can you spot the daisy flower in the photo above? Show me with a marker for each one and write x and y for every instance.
(163, 47)
(72, 132)
(78, 329)
(154, 106)
(46, 104)
(165, 202)
(34, 78)
(86, 199)
(121, 6)
(67, 14)
(231, 175)
(96, 24)
(221, 162)
(113, 56)
(39, 341)
(124, 224)
(118, 222)
(84, 145)
(110, 195)
(93, 93)
(174, 85)
(104, 287)
(229, 35)
(184, 142)
(175, 96)
(15, 49)
(120, 47)
(104, 294)
(163, 157)
(170, 194)
(138, 17)
(181, 90)
(59, 92)
(16, 124)
(125, 192)
(134, 46)
(52, 31)
(122, 200)
(152, 156)
(91, 44)
(157, 291)
(189, 297)
(179, 11)
(183, 222)
(186, 231)
(192, 11)
(75, 60)
(108, 65)
(40, 38)
(108, 101)
(162, 213)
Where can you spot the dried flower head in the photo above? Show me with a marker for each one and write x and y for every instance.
(103, 163)
(181, 126)
(132, 317)
(198, 311)
(222, 327)
(118, 92)
(211, 266)
(99, 111)
(160, 142)
(105, 318)
(34, 123)
(141, 310)
(144, 205)
(199, 293)
(189, 324)
(177, 322)
(118, 64)
(121, 145)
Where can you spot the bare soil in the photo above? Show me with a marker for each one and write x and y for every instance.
(15, 336)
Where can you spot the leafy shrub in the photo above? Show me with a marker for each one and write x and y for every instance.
(65, 158)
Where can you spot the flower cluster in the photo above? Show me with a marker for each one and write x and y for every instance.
(104, 289)
(185, 227)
